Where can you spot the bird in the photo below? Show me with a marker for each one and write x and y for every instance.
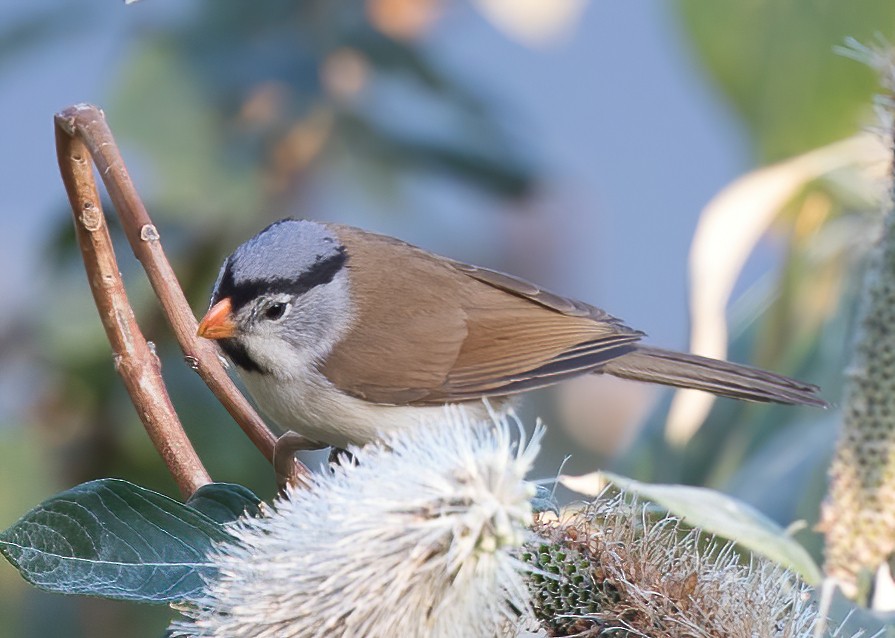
(345, 336)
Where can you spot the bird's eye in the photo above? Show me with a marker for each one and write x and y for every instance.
(275, 311)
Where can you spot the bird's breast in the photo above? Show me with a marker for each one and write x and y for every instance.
(312, 406)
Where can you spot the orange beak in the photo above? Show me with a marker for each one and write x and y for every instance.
(218, 321)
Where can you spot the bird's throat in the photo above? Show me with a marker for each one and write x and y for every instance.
(238, 354)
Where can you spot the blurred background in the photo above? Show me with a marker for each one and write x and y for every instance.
(578, 144)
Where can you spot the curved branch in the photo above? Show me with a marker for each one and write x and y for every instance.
(86, 124)
(135, 358)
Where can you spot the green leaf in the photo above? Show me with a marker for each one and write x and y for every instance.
(225, 502)
(113, 539)
(777, 63)
(716, 513)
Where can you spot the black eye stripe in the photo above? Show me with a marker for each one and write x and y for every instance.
(322, 272)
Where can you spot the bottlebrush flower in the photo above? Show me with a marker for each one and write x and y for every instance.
(419, 538)
(612, 569)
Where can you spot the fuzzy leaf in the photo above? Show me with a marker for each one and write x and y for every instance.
(715, 513)
(113, 539)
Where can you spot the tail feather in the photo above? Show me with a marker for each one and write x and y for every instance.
(712, 375)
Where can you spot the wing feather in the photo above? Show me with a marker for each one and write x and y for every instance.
(469, 333)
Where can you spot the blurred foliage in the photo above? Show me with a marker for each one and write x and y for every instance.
(778, 65)
(773, 457)
(258, 97)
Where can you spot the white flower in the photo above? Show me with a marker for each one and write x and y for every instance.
(418, 539)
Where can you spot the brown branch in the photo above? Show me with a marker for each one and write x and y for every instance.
(135, 359)
(87, 124)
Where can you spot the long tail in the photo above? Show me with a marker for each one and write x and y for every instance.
(718, 377)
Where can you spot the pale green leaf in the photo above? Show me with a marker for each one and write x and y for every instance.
(715, 513)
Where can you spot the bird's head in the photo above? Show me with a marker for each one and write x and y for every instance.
(280, 298)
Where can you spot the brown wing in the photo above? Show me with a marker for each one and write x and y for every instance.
(469, 333)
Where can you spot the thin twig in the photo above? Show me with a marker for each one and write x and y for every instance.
(87, 123)
(135, 359)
